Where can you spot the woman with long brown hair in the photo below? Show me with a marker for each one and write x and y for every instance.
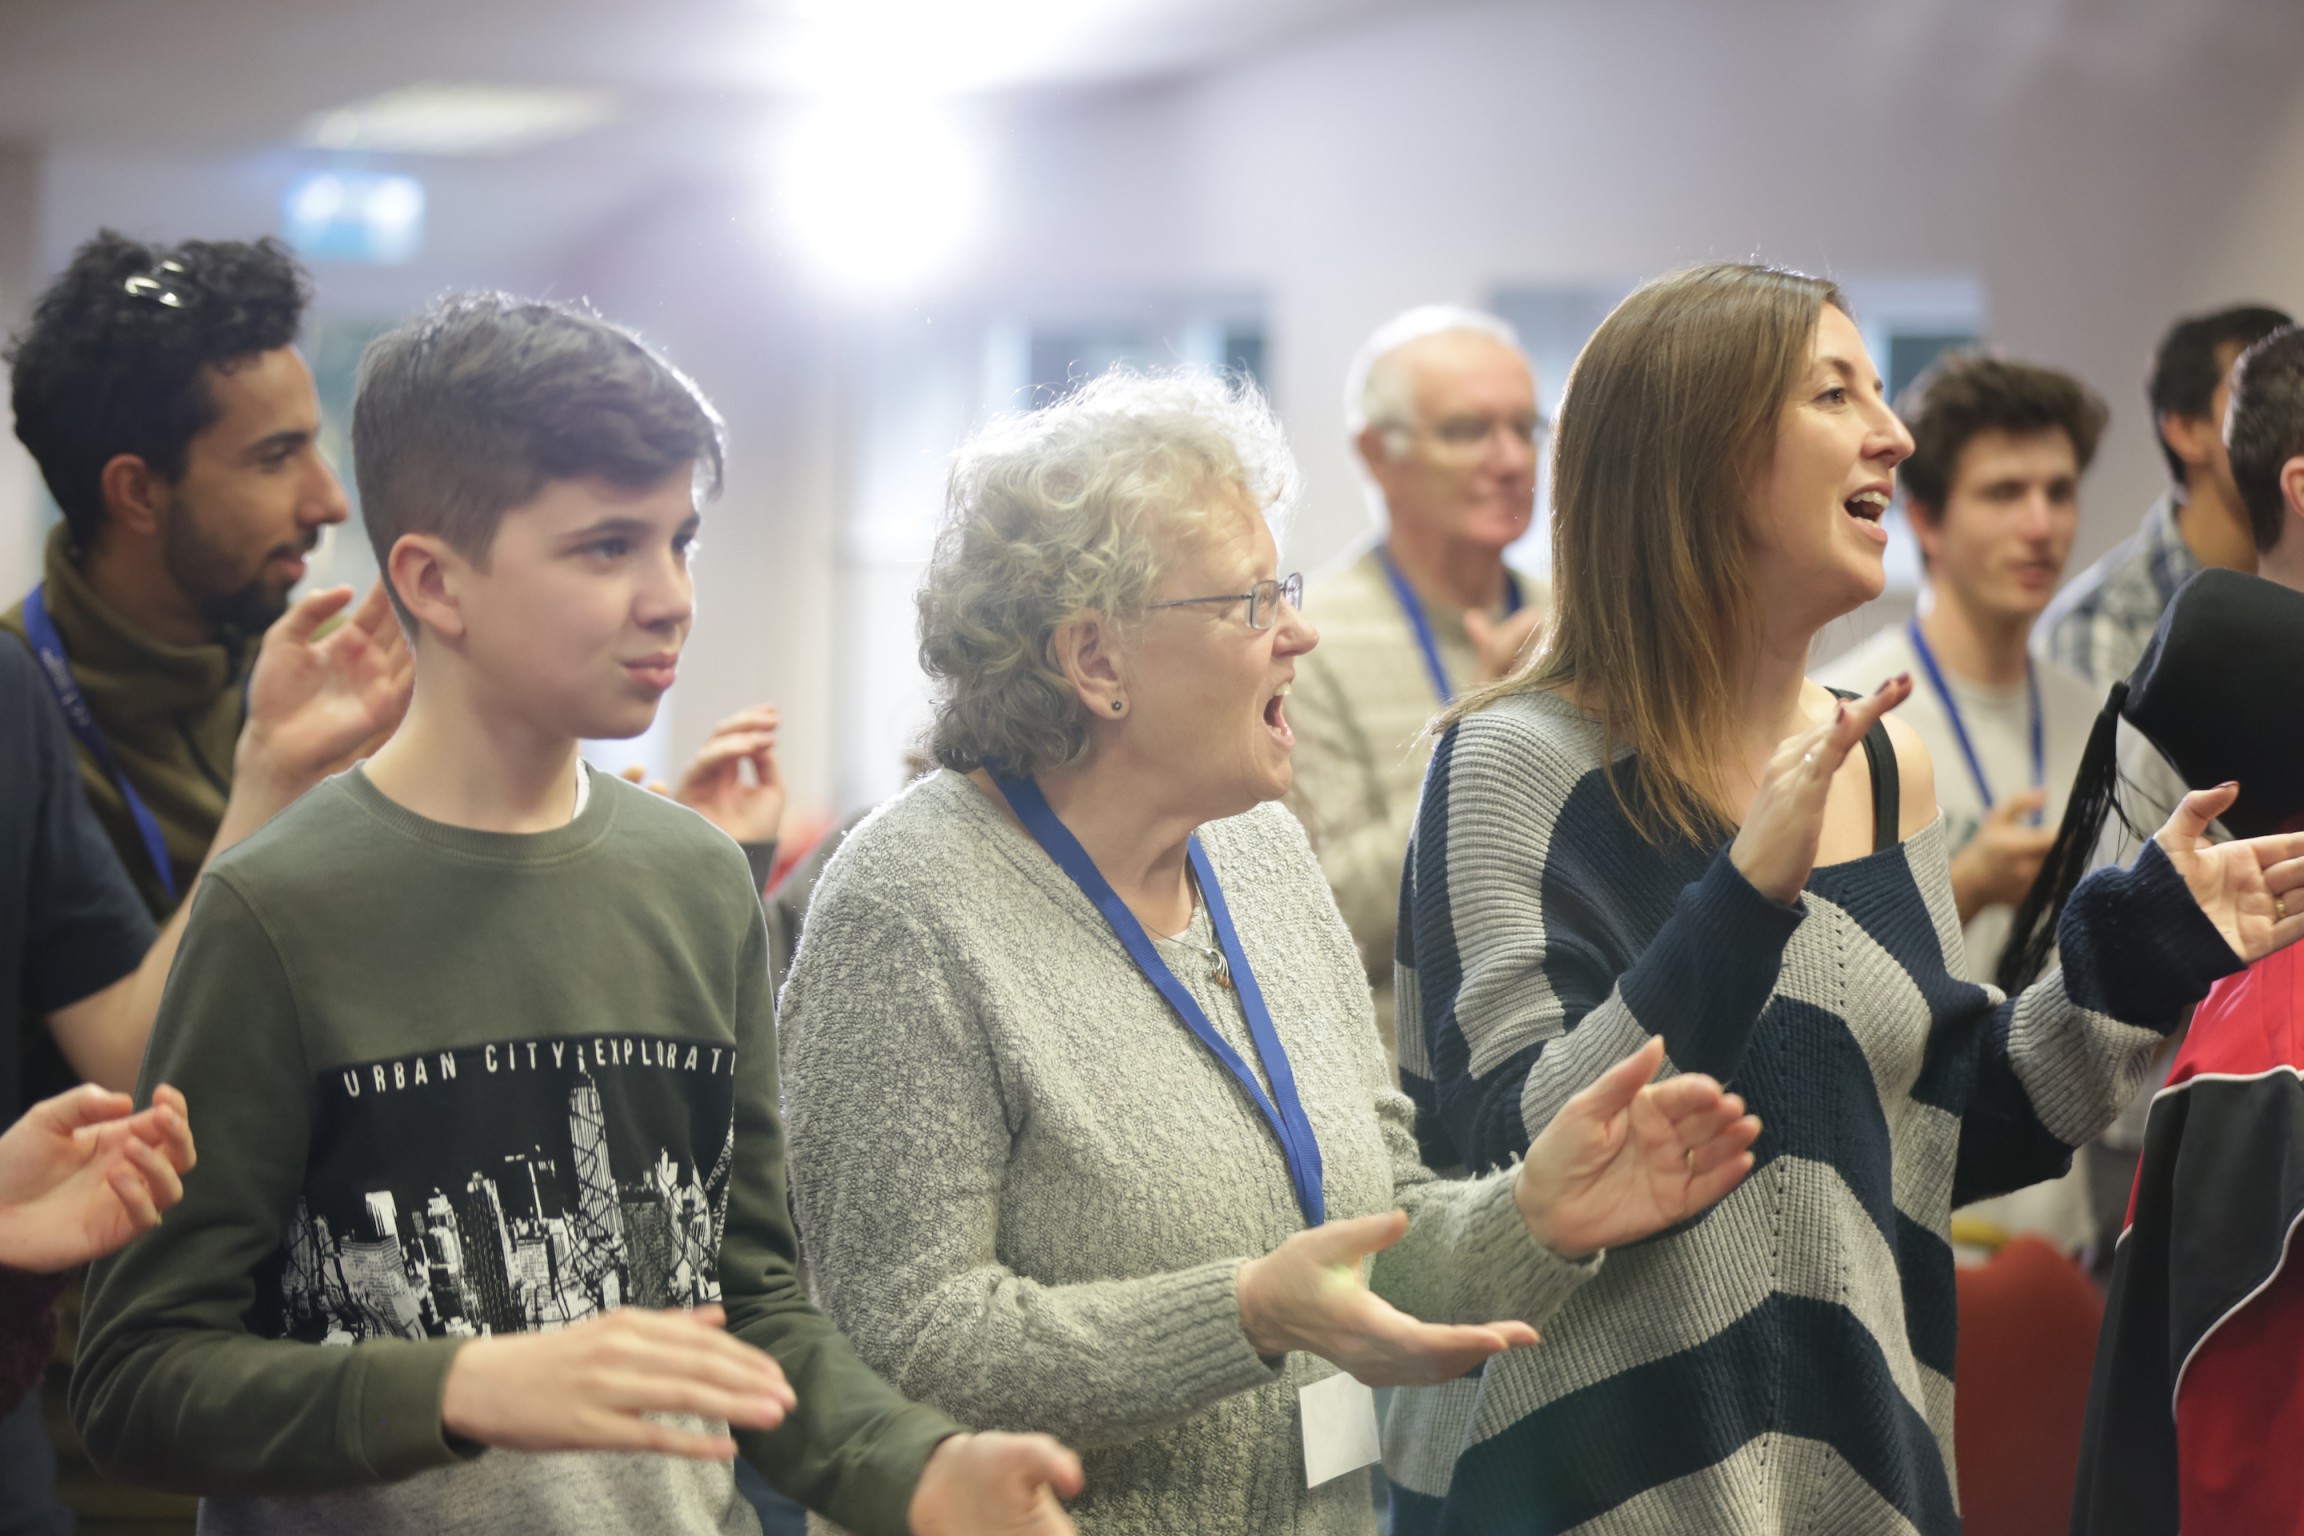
(1662, 828)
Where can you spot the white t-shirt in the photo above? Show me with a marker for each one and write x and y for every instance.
(1999, 722)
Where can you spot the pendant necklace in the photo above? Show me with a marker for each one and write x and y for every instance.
(1218, 971)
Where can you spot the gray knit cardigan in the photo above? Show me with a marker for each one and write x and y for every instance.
(1026, 1189)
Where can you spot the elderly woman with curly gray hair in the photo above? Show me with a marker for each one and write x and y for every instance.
(1091, 1129)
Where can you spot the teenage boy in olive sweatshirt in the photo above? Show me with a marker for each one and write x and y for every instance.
(483, 1050)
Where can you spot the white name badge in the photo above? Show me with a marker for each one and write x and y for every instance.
(1339, 1417)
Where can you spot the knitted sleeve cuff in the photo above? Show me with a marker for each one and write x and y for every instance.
(1199, 1341)
(2136, 947)
(1704, 978)
(397, 1409)
(1535, 1281)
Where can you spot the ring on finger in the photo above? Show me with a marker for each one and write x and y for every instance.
(2279, 909)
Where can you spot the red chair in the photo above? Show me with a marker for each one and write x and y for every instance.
(2028, 1324)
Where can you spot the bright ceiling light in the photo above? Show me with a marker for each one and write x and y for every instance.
(438, 119)
(880, 199)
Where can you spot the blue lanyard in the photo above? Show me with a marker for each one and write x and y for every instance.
(1960, 727)
(1287, 1119)
(1413, 607)
(48, 647)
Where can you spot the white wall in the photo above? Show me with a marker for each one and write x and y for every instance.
(2095, 190)
(19, 272)
(2098, 173)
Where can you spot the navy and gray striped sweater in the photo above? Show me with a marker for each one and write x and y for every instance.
(1784, 1362)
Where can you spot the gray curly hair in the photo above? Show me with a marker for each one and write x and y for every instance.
(1072, 509)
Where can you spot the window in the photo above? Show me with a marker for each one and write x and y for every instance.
(1038, 361)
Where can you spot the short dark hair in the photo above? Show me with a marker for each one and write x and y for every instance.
(474, 406)
(1966, 393)
(2265, 428)
(114, 358)
(2185, 371)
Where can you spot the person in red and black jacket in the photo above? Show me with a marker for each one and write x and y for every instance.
(2197, 1406)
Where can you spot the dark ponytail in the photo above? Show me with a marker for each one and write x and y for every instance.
(2095, 799)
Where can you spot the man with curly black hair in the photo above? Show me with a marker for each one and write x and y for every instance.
(160, 390)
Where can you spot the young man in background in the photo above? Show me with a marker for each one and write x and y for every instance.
(2097, 626)
(1992, 494)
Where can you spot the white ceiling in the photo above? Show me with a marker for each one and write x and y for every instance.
(201, 76)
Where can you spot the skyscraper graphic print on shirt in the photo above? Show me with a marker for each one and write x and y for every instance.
(507, 1187)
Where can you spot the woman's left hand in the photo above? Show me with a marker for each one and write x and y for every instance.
(1627, 1156)
(2249, 889)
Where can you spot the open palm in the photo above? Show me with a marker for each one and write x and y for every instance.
(2248, 888)
(317, 703)
(1628, 1157)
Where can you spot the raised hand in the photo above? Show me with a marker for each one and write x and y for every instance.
(995, 1485)
(2249, 889)
(1309, 1294)
(1627, 1157)
(81, 1174)
(1775, 849)
(715, 785)
(317, 703)
(1502, 646)
(596, 1385)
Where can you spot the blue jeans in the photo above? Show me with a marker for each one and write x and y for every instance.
(28, 1504)
(779, 1516)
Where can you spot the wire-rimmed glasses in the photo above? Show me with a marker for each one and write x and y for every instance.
(1263, 599)
(1468, 436)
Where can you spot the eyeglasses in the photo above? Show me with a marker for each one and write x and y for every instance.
(1467, 436)
(167, 285)
(1263, 599)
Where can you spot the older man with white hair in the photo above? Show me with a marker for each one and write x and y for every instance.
(1441, 404)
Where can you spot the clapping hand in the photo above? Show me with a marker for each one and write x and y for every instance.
(609, 1383)
(81, 1174)
(1627, 1157)
(1309, 1294)
(995, 1485)
(1775, 849)
(2249, 888)
(318, 703)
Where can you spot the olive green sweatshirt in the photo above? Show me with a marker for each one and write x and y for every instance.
(170, 713)
(448, 1083)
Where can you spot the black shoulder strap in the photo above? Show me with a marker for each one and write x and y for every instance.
(1887, 790)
